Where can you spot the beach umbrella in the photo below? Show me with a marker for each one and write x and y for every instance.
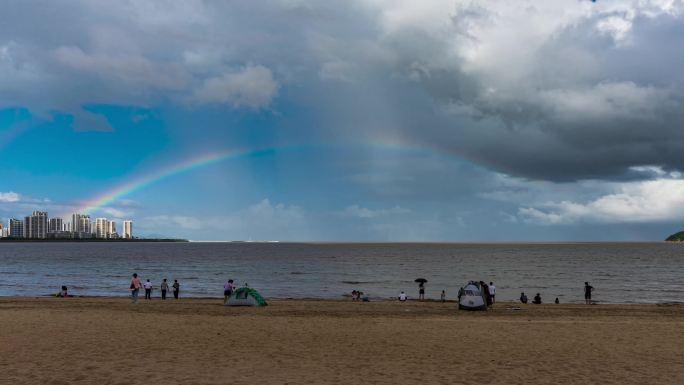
(420, 280)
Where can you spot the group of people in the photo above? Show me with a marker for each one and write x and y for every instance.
(137, 285)
(537, 300)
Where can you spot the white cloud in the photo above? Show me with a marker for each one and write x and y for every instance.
(9, 197)
(657, 200)
(251, 86)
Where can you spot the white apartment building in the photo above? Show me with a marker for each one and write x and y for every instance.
(128, 229)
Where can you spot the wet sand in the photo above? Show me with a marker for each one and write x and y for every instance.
(199, 341)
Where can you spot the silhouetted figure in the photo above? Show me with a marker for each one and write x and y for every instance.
(537, 299)
(523, 298)
(176, 288)
(587, 293)
(557, 301)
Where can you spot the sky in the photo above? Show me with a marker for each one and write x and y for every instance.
(354, 120)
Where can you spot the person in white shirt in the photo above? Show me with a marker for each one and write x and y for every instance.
(492, 291)
(402, 297)
(148, 289)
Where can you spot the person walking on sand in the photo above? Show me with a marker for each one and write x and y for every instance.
(164, 288)
(421, 291)
(443, 296)
(227, 290)
(492, 292)
(135, 288)
(148, 289)
(587, 293)
(176, 288)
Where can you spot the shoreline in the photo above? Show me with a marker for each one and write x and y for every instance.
(347, 298)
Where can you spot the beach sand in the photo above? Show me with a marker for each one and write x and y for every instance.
(199, 341)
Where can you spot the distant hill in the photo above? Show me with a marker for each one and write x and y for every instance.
(676, 237)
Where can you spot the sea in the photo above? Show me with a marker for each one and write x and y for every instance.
(619, 272)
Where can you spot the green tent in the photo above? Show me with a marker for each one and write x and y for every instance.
(245, 296)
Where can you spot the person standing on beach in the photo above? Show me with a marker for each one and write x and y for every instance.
(176, 288)
(148, 289)
(421, 291)
(443, 296)
(164, 288)
(485, 293)
(135, 288)
(587, 293)
(227, 290)
(492, 292)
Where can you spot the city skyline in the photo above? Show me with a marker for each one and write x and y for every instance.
(38, 225)
(347, 121)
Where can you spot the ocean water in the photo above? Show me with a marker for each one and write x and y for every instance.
(620, 272)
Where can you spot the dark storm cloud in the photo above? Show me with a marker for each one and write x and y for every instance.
(543, 90)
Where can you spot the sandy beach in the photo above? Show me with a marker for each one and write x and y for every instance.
(199, 341)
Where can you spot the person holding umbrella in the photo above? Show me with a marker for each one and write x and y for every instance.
(421, 288)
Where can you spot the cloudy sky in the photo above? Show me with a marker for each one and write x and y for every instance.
(381, 120)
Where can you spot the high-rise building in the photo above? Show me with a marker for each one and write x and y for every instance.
(16, 228)
(80, 223)
(111, 229)
(101, 227)
(56, 225)
(128, 229)
(36, 225)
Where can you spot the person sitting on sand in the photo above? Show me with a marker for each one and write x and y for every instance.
(402, 296)
(537, 299)
(523, 297)
(63, 293)
(557, 301)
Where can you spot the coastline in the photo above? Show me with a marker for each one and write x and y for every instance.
(200, 341)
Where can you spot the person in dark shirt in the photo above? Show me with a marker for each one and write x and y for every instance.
(587, 293)
(537, 299)
(176, 288)
(523, 298)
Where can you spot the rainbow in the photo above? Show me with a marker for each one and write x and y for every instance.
(145, 180)
(184, 166)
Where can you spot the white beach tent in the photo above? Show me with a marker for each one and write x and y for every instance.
(471, 298)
